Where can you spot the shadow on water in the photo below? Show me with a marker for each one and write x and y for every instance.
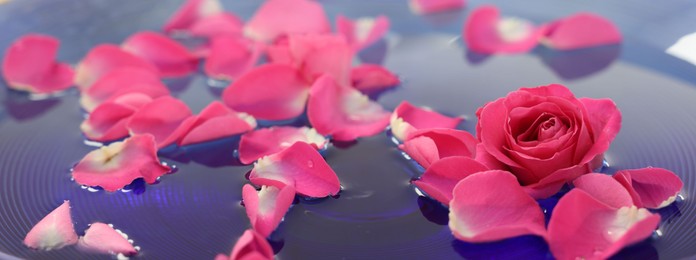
(523, 247)
(217, 153)
(433, 211)
(20, 106)
(375, 53)
(475, 58)
(575, 64)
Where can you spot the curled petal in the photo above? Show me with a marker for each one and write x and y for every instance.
(267, 207)
(439, 179)
(491, 205)
(581, 227)
(284, 17)
(267, 141)
(122, 81)
(269, 92)
(104, 58)
(408, 118)
(103, 238)
(301, 166)
(651, 188)
(171, 58)
(108, 121)
(605, 189)
(29, 65)
(166, 118)
(364, 31)
(371, 77)
(217, 121)
(54, 231)
(485, 32)
(118, 164)
(250, 245)
(222, 24)
(343, 112)
(435, 6)
(429, 145)
(231, 57)
(319, 54)
(190, 13)
(580, 30)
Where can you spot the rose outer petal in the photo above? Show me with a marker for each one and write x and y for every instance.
(277, 18)
(484, 32)
(408, 118)
(267, 207)
(362, 32)
(581, 30)
(29, 65)
(54, 231)
(217, 121)
(231, 57)
(439, 179)
(190, 13)
(166, 118)
(170, 57)
(435, 6)
(104, 58)
(103, 238)
(604, 188)
(429, 145)
(119, 82)
(250, 245)
(267, 141)
(651, 188)
(372, 77)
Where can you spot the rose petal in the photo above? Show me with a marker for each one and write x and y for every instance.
(108, 121)
(279, 52)
(29, 65)
(284, 17)
(104, 58)
(429, 145)
(54, 231)
(651, 188)
(118, 164)
(267, 207)
(605, 189)
(301, 166)
(371, 77)
(605, 121)
(485, 32)
(439, 179)
(250, 246)
(190, 13)
(103, 238)
(221, 24)
(408, 118)
(170, 57)
(166, 118)
(319, 54)
(231, 57)
(363, 31)
(269, 92)
(583, 227)
(491, 205)
(553, 182)
(267, 141)
(122, 81)
(435, 6)
(581, 30)
(343, 112)
(217, 121)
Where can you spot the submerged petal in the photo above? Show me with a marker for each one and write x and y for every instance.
(122, 81)
(166, 118)
(217, 121)
(408, 118)
(103, 238)
(581, 30)
(29, 65)
(104, 58)
(54, 231)
(190, 13)
(485, 32)
(439, 179)
(231, 57)
(371, 77)
(651, 188)
(170, 57)
(284, 17)
(435, 6)
(262, 142)
(267, 207)
(363, 31)
(429, 145)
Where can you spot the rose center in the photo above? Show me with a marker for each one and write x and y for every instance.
(551, 128)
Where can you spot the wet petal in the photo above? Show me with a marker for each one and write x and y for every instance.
(408, 118)
(439, 179)
(363, 31)
(108, 121)
(103, 238)
(166, 118)
(170, 57)
(301, 166)
(319, 54)
(582, 227)
(267, 141)
(231, 57)
(284, 17)
(222, 24)
(30, 65)
(122, 81)
(54, 231)
(269, 92)
(651, 188)
(190, 13)
(429, 145)
(435, 6)
(485, 32)
(490, 206)
(371, 77)
(580, 30)
(267, 207)
(118, 164)
(217, 121)
(250, 246)
(604, 188)
(104, 58)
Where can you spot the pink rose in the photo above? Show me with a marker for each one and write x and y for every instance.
(545, 136)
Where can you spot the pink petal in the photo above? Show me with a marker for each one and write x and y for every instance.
(231, 57)
(103, 238)
(54, 231)
(217, 121)
(371, 77)
(319, 54)
(581, 227)
(279, 52)
(250, 246)
(222, 24)
(170, 57)
(121, 81)
(269, 92)
(605, 121)
(267, 141)
(363, 31)
(429, 145)
(408, 118)
(284, 17)
(190, 13)
(604, 188)
(435, 6)
(490, 206)
(651, 188)
(166, 118)
(104, 58)
(267, 207)
(581, 30)
(29, 65)
(118, 164)
(108, 121)
(485, 32)
(301, 166)
(439, 179)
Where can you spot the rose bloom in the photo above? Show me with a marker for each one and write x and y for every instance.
(545, 136)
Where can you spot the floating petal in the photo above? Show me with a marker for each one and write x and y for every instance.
(122, 81)
(166, 118)
(103, 238)
(267, 207)
(435, 6)
(429, 145)
(277, 18)
(651, 188)
(217, 121)
(439, 179)
(364, 31)
(580, 30)
(319, 54)
(191, 13)
(408, 118)
(263, 142)
(371, 77)
(104, 58)
(250, 246)
(604, 188)
(231, 57)
(29, 65)
(108, 121)
(170, 57)
(54, 231)
(485, 32)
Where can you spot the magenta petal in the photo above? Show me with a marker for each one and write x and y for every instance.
(408, 118)
(582, 227)
(217, 121)
(371, 77)
(222, 24)
(343, 112)
(262, 142)
(103, 238)
(435, 6)
(651, 188)
(166, 118)
(267, 207)
(108, 121)
(581, 30)
(284, 17)
(319, 54)
(429, 145)
(490, 206)
(439, 179)
(301, 166)
(170, 57)
(104, 58)
(363, 31)
(269, 92)
(29, 65)
(250, 246)
(54, 231)
(485, 32)
(231, 57)
(279, 52)
(604, 188)
(122, 81)
(191, 12)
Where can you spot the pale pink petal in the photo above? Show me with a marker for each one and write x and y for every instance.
(651, 188)
(301, 166)
(30, 65)
(221, 24)
(170, 57)
(490, 206)
(191, 12)
(429, 145)
(118, 164)
(319, 54)
(231, 57)
(364, 31)
(166, 118)
(121, 81)
(604, 188)
(581, 227)
(439, 179)
(54, 231)
(435, 6)
(103, 238)
(267, 207)
(371, 77)
(267, 141)
(269, 92)
(217, 121)
(342, 112)
(277, 18)
(581, 30)
(250, 246)
(485, 32)
(408, 118)
(104, 58)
